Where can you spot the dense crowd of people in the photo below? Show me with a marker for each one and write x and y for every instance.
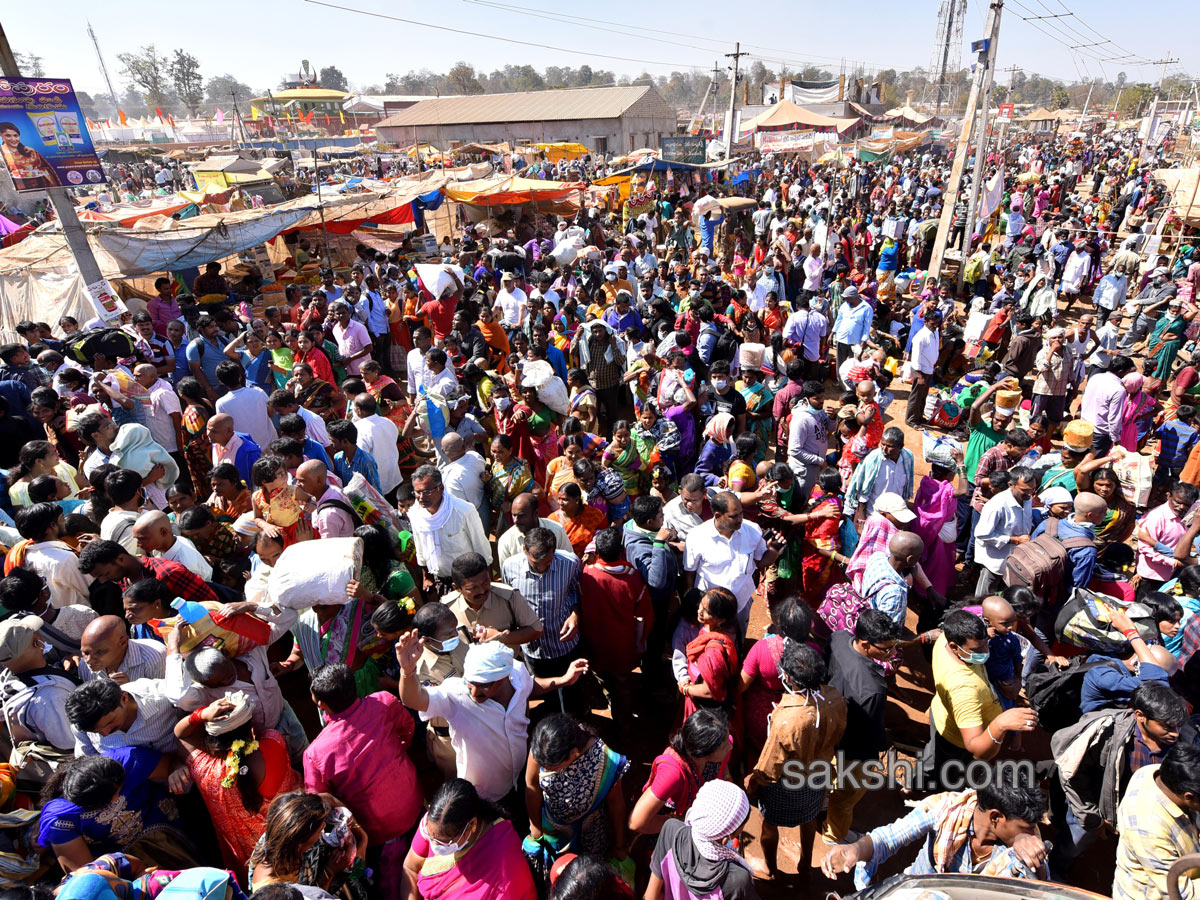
(665, 485)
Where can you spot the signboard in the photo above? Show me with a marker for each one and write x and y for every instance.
(108, 305)
(792, 141)
(882, 132)
(1006, 113)
(686, 148)
(45, 141)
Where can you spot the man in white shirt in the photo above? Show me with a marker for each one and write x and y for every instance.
(245, 404)
(1005, 521)
(926, 348)
(525, 519)
(510, 303)
(33, 696)
(462, 471)
(756, 294)
(165, 419)
(109, 652)
(1104, 342)
(422, 341)
(443, 527)
(105, 715)
(438, 377)
(726, 551)
(687, 511)
(378, 437)
(487, 710)
(284, 403)
(154, 537)
(814, 269)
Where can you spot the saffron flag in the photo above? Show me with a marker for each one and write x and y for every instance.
(219, 117)
(171, 119)
(121, 115)
(159, 111)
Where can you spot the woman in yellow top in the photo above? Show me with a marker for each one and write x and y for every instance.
(966, 720)
(29, 169)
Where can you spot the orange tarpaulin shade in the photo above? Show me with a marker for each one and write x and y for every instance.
(507, 190)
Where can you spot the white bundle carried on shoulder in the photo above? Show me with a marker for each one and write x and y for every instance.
(315, 572)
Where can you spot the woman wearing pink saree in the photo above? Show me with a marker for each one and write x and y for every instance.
(1138, 412)
(465, 850)
(936, 503)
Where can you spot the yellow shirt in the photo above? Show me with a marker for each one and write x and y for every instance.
(963, 696)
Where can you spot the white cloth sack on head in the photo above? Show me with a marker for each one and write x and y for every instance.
(539, 374)
(436, 279)
(313, 572)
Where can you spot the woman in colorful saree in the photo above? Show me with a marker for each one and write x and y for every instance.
(533, 428)
(465, 849)
(573, 790)
(623, 458)
(510, 476)
(759, 404)
(822, 538)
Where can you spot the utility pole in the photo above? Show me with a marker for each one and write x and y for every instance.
(64, 208)
(978, 87)
(737, 55)
(103, 67)
(1087, 100)
(1153, 124)
(698, 118)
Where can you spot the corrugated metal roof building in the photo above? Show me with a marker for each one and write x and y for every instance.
(607, 120)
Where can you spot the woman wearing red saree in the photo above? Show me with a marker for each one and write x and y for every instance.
(712, 658)
(308, 352)
(819, 567)
(393, 404)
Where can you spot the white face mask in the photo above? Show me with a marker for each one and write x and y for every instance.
(443, 848)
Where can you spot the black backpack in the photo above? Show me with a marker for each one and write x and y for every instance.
(112, 342)
(344, 507)
(1055, 693)
(726, 347)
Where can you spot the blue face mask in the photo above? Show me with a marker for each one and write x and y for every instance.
(449, 645)
(977, 659)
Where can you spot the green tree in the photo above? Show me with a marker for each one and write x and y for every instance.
(1059, 98)
(151, 71)
(331, 77)
(185, 76)
(462, 79)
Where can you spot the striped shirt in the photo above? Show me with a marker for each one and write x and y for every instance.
(154, 725)
(553, 596)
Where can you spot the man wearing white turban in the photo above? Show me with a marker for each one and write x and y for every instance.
(487, 710)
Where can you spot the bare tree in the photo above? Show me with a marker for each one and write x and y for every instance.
(151, 72)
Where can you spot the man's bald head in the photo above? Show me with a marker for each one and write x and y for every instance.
(906, 549)
(152, 531)
(103, 643)
(1090, 507)
(220, 428)
(524, 512)
(453, 445)
(313, 477)
(1163, 658)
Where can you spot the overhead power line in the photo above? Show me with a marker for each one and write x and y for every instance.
(496, 37)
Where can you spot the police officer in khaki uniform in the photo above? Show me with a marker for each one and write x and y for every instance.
(487, 610)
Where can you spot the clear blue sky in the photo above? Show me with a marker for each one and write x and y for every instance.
(258, 41)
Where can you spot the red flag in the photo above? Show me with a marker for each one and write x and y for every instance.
(311, 113)
(121, 115)
(159, 111)
(171, 119)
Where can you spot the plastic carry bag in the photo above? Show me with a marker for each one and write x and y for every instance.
(313, 572)
(1136, 474)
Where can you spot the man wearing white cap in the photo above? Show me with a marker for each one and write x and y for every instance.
(510, 303)
(486, 709)
(34, 697)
